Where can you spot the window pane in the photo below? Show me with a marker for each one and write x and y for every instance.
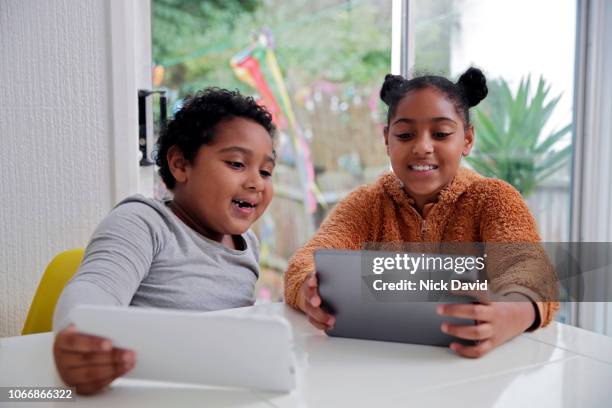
(506, 39)
(530, 70)
(319, 66)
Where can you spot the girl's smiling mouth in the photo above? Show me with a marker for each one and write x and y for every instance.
(422, 167)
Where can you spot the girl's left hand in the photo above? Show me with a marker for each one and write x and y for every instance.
(496, 323)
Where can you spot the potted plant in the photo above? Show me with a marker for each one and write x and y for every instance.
(510, 144)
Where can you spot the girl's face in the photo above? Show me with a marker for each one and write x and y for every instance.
(425, 141)
(228, 185)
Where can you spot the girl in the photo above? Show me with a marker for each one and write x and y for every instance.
(429, 198)
(193, 252)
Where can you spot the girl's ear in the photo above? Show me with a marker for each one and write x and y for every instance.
(468, 141)
(179, 166)
(386, 136)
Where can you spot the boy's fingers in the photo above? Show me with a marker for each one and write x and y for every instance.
(97, 374)
(93, 387)
(476, 351)
(472, 332)
(90, 374)
(466, 311)
(75, 341)
(116, 356)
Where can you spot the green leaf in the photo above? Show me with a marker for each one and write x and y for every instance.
(508, 128)
(552, 139)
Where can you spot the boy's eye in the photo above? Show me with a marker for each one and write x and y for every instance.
(265, 173)
(404, 136)
(236, 165)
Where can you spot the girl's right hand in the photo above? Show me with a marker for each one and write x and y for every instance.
(89, 363)
(310, 303)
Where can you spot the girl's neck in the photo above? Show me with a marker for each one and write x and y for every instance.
(419, 205)
(422, 201)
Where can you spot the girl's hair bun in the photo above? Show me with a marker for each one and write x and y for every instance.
(392, 84)
(473, 84)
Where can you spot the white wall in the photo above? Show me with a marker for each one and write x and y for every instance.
(68, 142)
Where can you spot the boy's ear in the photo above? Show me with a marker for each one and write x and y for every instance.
(178, 164)
(468, 141)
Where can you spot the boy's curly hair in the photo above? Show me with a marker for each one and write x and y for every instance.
(194, 125)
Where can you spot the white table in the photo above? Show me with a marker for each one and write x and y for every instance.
(560, 366)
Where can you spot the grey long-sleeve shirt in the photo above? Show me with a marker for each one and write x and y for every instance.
(142, 254)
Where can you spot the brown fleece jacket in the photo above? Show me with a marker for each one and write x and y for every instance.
(470, 209)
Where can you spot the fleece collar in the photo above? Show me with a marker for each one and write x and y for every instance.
(392, 185)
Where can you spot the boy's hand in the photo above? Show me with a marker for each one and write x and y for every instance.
(496, 323)
(89, 363)
(310, 303)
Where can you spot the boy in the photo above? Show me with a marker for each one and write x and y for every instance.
(193, 252)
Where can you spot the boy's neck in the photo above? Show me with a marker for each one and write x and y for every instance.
(183, 215)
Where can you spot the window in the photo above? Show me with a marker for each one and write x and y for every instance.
(527, 51)
(318, 65)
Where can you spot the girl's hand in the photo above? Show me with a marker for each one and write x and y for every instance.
(87, 362)
(310, 303)
(496, 323)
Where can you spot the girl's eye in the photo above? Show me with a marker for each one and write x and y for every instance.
(441, 135)
(265, 173)
(404, 136)
(235, 165)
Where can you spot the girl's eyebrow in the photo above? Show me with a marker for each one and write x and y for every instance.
(247, 152)
(434, 119)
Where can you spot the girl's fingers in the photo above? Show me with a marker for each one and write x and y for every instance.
(472, 332)
(318, 314)
(317, 324)
(466, 311)
(312, 281)
(309, 291)
(312, 305)
(315, 300)
(476, 351)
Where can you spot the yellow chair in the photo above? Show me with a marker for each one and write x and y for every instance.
(58, 273)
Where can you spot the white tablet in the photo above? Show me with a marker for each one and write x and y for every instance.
(254, 352)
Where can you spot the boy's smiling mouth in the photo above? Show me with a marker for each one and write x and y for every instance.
(244, 206)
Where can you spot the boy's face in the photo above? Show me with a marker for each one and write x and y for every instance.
(229, 183)
(425, 141)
